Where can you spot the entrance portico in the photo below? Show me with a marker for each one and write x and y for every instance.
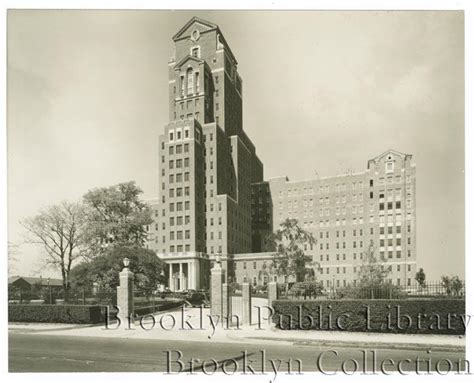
(184, 270)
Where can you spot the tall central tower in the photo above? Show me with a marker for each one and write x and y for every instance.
(207, 163)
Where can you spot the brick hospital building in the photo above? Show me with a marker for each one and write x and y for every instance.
(213, 199)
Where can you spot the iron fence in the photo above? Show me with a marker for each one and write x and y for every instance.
(316, 291)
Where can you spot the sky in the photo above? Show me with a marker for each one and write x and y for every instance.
(322, 92)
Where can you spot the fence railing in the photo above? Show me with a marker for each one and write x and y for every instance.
(316, 291)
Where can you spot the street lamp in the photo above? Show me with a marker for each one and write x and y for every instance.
(126, 262)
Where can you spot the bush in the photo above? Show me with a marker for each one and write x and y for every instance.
(383, 291)
(306, 289)
(54, 313)
(424, 315)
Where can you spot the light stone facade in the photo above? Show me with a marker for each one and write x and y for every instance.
(348, 214)
(213, 199)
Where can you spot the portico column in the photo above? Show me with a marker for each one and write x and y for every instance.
(180, 276)
(190, 278)
(170, 277)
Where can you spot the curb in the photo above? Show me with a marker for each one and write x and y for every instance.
(365, 344)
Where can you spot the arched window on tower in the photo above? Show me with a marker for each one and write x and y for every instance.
(190, 77)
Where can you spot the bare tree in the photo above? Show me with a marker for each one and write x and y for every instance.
(58, 229)
(12, 257)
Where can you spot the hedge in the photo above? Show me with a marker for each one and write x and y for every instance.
(55, 313)
(158, 307)
(427, 316)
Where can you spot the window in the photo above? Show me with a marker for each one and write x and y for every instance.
(195, 52)
(182, 85)
(190, 76)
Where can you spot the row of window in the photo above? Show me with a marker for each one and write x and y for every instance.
(343, 187)
(178, 149)
(179, 206)
(179, 220)
(389, 242)
(177, 134)
(398, 254)
(179, 248)
(343, 269)
(343, 244)
(189, 82)
(179, 163)
(337, 283)
(178, 192)
(178, 177)
(343, 221)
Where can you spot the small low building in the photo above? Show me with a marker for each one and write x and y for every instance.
(30, 283)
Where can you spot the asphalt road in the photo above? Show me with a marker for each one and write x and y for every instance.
(46, 353)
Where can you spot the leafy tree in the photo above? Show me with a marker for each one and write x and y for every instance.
(115, 215)
(453, 285)
(420, 277)
(105, 268)
(372, 272)
(288, 242)
(59, 230)
(372, 282)
(267, 270)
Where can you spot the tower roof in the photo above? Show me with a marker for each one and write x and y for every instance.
(205, 26)
(390, 151)
(195, 20)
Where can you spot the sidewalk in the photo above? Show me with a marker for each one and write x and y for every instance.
(195, 325)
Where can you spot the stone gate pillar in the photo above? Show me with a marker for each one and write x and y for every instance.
(246, 304)
(217, 279)
(272, 289)
(272, 293)
(125, 295)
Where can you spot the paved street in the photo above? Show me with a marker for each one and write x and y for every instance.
(58, 353)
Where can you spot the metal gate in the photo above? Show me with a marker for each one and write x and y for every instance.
(235, 305)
